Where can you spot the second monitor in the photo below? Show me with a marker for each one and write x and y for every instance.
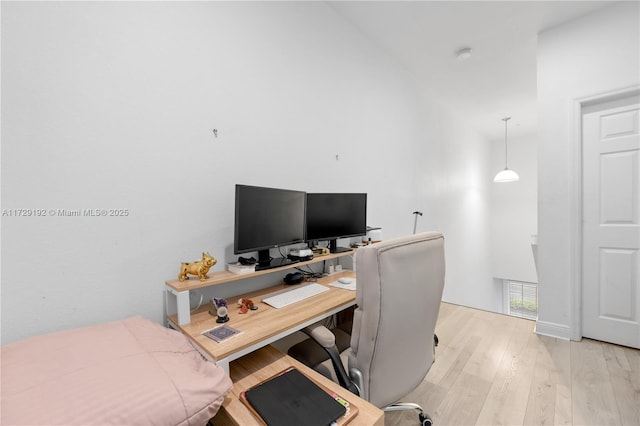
(335, 215)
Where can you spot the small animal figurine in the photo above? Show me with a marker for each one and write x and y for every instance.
(199, 268)
(246, 305)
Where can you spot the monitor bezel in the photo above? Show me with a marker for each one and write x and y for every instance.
(269, 245)
(333, 238)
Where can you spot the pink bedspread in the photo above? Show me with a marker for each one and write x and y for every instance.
(129, 372)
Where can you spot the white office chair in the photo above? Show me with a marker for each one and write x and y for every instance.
(392, 347)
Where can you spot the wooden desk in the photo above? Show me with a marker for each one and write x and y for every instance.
(265, 325)
(252, 369)
(179, 301)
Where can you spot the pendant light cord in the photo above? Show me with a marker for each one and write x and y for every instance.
(505, 141)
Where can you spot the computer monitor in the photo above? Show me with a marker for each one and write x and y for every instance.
(336, 215)
(266, 218)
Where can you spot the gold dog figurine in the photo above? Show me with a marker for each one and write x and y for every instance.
(199, 268)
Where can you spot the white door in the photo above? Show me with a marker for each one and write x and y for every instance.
(611, 223)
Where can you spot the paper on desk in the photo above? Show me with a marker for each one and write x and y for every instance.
(350, 286)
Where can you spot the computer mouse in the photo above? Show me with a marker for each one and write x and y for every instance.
(345, 280)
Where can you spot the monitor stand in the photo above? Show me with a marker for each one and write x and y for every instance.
(333, 247)
(265, 261)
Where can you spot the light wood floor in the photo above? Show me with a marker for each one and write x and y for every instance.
(492, 369)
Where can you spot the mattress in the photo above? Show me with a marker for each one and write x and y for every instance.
(128, 372)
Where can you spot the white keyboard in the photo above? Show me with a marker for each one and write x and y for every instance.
(288, 297)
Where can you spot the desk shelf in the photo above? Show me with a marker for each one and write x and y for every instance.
(180, 289)
(223, 277)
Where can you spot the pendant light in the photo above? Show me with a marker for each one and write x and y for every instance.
(506, 175)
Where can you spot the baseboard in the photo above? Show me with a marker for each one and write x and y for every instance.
(551, 329)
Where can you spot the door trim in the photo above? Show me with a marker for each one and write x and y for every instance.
(575, 230)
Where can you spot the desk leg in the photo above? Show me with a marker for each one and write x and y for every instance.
(224, 364)
(182, 305)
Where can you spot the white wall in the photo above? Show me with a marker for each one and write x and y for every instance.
(514, 208)
(464, 214)
(593, 55)
(110, 105)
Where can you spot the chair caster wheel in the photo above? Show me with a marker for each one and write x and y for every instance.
(425, 420)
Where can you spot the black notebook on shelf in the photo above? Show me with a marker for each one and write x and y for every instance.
(293, 399)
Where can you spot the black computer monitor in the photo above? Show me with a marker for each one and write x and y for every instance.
(267, 218)
(336, 215)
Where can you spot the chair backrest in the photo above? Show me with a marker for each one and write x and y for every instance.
(398, 293)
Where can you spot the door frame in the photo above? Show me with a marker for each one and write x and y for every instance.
(575, 230)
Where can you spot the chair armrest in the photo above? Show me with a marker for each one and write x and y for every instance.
(321, 334)
(325, 338)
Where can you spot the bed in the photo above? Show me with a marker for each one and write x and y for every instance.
(128, 372)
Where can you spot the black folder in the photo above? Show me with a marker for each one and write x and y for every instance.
(293, 399)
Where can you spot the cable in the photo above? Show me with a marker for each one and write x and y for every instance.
(199, 302)
(309, 274)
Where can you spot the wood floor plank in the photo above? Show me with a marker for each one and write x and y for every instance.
(446, 309)
(455, 369)
(494, 338)
(506, 402)
(593, 399)
(549, 396)
(627, 393)
(633, 357)
(455, 348)
(563, 414)
(464, 401)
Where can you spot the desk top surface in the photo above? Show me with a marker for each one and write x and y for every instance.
(266, 321)
(258, 366)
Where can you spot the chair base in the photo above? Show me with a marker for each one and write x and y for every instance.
(424, 419)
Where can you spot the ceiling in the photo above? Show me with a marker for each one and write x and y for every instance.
(498, 80)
